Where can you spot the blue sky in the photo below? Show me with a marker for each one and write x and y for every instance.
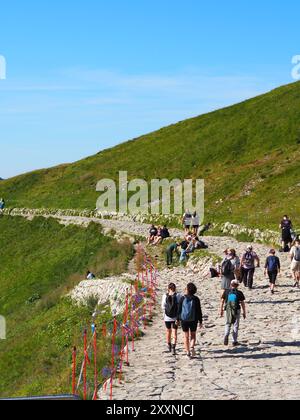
(86, 75)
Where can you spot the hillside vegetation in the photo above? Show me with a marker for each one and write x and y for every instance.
(40, 262)
(248, 154)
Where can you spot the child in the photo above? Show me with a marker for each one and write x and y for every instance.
(272, 269)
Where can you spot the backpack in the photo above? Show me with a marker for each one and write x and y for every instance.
(249, 257)
(172, 306)
(188, 310)
(232, 306)
(227, 268)
(297, 254)
(272, 264)
(213, 273)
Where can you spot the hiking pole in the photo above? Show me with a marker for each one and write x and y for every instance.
(84, 366)
(95, 367)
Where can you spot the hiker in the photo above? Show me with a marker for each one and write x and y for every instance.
(195, 223)
(2, 205)
(152, 234)
(286, 227)
(90, 276)
(187, 221)
(272, 269)
(234, 301)
(295, 267)
(162, 234)
(170, 306)
(183, 256)
(190, 315)
(230, 264)
(248, 266)
(170, 252)
(204, 229)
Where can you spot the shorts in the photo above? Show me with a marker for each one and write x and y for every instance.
(296, 266)
(273, 276)
(171, 325)
(189, 326)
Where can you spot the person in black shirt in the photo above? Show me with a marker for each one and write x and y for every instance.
(286, 227)
(272, 269)
(152, 234)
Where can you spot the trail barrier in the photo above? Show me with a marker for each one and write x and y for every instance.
(119, 333)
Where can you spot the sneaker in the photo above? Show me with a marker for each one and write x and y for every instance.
(296, 285)
(174, 350)
(236, 344)
(193, 353)
(170, 348)
(226, 341)
(188, 355)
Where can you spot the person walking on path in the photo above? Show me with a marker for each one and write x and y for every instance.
(195, 223)
(295, 267)
(286, 227)
(170, 306)
(248, 266)
(187, 221)
(272, 269)
(170, 253)
(190, 315)
(233, 301)
(230, 264)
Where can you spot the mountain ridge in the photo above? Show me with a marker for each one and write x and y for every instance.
(248, 154)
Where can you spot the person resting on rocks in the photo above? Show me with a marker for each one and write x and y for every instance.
(153, 232)
(90, 276)
(163, 233)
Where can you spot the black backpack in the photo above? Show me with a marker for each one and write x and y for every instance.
(227, 268)
(172, 306)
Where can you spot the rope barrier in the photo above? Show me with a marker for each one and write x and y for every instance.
(140, 300)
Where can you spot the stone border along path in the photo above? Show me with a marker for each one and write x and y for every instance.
(266, 366)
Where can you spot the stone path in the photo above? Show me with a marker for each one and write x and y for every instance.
(266, 366)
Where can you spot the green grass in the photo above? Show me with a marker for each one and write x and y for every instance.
(40, 262)
(252, 147)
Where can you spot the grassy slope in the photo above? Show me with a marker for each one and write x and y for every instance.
(255, 143)
(40, 261)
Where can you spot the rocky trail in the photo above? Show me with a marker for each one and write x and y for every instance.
(265, 366)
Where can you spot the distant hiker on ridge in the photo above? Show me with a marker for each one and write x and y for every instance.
(286, 227)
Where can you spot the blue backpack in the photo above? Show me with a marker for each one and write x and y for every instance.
(272, 264)
(188, 310)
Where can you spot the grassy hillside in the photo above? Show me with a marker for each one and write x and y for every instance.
(248, 154)
(40, 261)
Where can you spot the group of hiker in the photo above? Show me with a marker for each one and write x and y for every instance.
(185, 309)
(157, 235)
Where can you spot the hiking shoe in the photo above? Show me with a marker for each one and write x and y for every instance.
(188, 355)
(193, 353)
(170, 348)
(236, 344)
(174, 350)
(226, 341)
